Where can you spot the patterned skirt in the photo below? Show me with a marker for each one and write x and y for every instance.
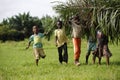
(102, 51)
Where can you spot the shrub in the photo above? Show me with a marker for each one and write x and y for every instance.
(15, 35)
(7, 34)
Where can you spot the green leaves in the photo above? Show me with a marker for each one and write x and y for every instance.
(49, 25)
(98, 14)
(23, 22)
(108, 22)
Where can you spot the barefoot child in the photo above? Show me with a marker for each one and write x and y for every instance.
(102, 49)
(61, 42)
(91, 47)
(76, 38)
(37, 45)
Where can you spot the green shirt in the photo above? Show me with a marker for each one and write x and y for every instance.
(37, 40)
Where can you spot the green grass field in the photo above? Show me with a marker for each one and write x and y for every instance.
(16, 63)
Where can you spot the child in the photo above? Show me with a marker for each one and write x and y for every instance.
(91, 47)
(76, 38)
(61, 42)
(102, 49)
(37, 46)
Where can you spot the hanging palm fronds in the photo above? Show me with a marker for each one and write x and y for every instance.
(94, 15)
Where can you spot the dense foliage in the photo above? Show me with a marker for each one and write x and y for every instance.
(49, 24)
(10, 34)
(94, 15)
(19, 25)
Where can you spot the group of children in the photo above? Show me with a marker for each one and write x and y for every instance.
(99, 50)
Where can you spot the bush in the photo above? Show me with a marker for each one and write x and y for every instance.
(7, 34)
(15, 35)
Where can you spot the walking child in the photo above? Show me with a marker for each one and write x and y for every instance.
(76, 38)
(61, 42)
(91, 47)
(102, 48)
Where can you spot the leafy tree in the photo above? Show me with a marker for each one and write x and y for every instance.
(94, 14)
(10, 34)
(49, 24)
(23, 22)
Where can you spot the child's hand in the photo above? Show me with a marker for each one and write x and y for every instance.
(28, 45)
(56, 44)
(46, 33)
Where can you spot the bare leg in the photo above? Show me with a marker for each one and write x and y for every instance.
(37, 61)
(107, 60)
(87, 56)
(99, 61)
(94, 58)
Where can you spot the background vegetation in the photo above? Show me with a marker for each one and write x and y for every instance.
(94, 15)
(19, 25)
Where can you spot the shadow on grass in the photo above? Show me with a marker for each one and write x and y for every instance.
(116, 63)
(28, 64)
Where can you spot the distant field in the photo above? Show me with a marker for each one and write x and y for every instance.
(16, 63)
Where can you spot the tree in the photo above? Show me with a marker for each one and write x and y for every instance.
(49, 24)
(23, 22)
(94, 14)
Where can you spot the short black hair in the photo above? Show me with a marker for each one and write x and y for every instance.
(59, 22)
(76, 17)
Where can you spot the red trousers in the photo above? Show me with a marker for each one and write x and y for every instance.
(77, 48)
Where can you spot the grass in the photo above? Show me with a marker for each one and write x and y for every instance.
(16, 63)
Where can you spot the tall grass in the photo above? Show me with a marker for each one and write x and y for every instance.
(16, 63)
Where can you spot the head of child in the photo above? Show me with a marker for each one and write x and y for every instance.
(76, 19)
(35, 29)
(59, 24)
(99, 34)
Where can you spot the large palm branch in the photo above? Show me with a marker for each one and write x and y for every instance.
(97, 14)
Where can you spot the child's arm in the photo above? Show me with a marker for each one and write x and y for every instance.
(28, 45)
(56, 41)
